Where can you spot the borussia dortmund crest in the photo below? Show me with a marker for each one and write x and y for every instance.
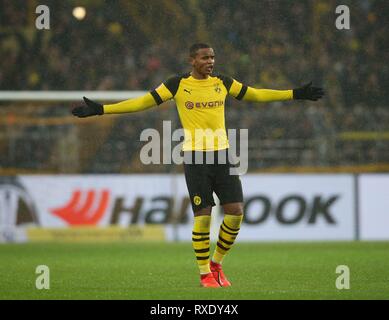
(218, 89)
(197, 200)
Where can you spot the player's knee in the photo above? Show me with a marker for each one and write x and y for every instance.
(233, 208)
(203, 212)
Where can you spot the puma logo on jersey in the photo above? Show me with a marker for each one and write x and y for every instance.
(189, 91)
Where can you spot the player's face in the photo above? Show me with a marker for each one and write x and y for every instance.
(204, 61)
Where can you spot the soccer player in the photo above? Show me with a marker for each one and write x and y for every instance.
(200, 98)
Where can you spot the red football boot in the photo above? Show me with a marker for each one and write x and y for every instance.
(218, 274)
(208, 281)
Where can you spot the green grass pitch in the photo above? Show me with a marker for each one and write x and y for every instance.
(304, 270)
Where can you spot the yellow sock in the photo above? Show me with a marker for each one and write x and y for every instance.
(229, 230)
(200, 241)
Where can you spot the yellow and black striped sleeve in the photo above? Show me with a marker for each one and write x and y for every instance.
(164, 92)
(243, 92)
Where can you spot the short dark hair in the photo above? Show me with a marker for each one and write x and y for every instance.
(194, 47)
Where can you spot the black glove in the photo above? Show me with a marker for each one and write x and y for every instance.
(91, 109)
(307, 92)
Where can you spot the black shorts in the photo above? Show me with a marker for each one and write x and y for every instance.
(205, 178)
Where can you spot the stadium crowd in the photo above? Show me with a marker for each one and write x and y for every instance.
(135, 45)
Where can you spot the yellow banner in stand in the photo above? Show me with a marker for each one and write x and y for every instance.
(97, 234)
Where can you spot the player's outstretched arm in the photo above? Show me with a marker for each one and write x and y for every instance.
(132, 105)
(92, 108)
(306, 92)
